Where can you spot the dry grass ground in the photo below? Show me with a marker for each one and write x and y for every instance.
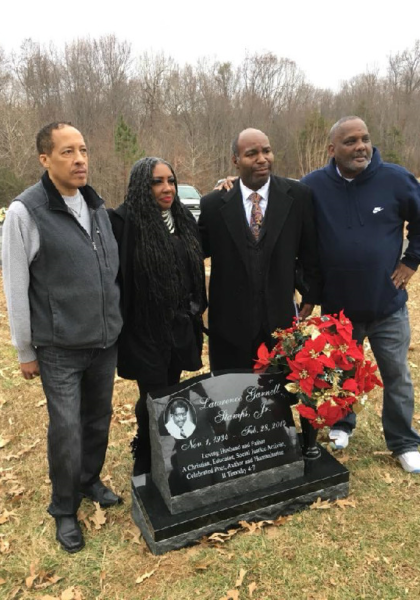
(363, 547)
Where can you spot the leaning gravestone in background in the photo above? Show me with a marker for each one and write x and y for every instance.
(224, 449)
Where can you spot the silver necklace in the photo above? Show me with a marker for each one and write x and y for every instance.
(168, 220)
(78, 213)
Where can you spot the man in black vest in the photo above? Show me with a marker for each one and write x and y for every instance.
(256, 234)
(60, 268)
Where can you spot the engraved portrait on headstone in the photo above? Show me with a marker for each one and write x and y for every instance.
(180, 418)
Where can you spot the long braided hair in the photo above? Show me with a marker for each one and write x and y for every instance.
(159, 290)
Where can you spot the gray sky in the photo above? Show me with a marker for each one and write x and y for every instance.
(330, 41)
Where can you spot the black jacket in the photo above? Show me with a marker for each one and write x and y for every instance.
(140, 356)
(290, 238)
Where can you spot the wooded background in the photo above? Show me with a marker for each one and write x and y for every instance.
(130, 106)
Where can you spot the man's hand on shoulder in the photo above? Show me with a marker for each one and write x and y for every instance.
(226, 184)
(401, 276)
(305, 311)
(30, 369)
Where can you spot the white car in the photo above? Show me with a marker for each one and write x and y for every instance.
(190, 197)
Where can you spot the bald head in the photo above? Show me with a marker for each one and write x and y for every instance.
(244, 133)
(252, 157)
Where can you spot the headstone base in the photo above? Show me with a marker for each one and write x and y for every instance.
(323, 478)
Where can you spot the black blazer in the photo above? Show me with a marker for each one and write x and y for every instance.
(290, 240)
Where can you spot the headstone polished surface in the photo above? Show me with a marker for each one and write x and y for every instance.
(225, 449)
(221, 436)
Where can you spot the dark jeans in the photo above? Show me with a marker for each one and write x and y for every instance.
(389, 339)
(141, 443)
(78, 385)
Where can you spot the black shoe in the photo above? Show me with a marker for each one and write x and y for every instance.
(69, 533)
(98, 492)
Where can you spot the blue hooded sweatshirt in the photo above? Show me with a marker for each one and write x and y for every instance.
(360, 232)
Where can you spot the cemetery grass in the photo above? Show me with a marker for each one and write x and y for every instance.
(365, 546)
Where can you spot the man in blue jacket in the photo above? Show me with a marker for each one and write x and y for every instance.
(361, 206)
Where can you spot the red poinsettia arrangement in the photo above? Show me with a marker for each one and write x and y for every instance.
(326, 366)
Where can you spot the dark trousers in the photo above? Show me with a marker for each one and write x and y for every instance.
(141, 445)
(225, 356)
(78, 385)
(390, 339)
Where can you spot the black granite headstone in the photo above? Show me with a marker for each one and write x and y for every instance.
(221, 436)
(225, 449)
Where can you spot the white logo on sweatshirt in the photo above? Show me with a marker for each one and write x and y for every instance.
(377, 209)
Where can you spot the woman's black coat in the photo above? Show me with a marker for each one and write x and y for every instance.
(140, 357)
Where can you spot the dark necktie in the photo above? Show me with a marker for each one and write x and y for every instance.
(256, 215)
(182, 433)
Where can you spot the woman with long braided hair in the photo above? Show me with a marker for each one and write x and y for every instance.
(163, 290)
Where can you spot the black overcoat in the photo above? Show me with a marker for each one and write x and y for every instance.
(291, 241)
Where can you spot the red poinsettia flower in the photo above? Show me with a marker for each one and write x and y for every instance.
(313, 350)
(304, 373)
(307, 411)
(345, 402)
(345, 356)
(331, 360)
(263, 360)
(321, 384)
(331, 412)
(366, 378)
(337, 330)
(312, 415)
(351, 385)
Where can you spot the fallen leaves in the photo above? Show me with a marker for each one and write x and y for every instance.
(388, 479)
(345, 503)
(133, 535)
(30, 580)
(4, 441)
(4, 545)
(124, 415)
(83, 517)
(6, 516)
(40, 579)
(70, 593)
(342, 503)
(23, 451)
(251, 528)
(320, 504)
(233, 594)
(99, 516)
(145, 576)
(240, 579)
(148, 574)
(221, 537)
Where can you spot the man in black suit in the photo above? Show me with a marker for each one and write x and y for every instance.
(256, 234)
